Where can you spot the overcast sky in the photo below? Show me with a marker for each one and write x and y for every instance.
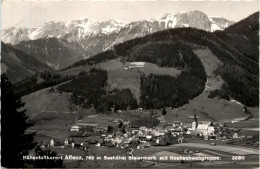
(33, 14)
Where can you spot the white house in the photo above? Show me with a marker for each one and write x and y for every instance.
(211, 130)
(75, 128)
(66, 142)
(148, 137)
(143, 128)
(235, 136)
(52, 143)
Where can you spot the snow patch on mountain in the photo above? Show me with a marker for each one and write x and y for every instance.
(53, 65)
(214, 27)
(108, 29)
(170, 21)
(82, 29)
(34, 33)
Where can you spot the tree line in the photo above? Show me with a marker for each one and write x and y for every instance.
(31, 85)
(158, 91)
(91, 91)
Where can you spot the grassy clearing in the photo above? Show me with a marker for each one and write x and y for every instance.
(42, 103)
(101, 120)
(122, 79)
(250, 126)
(220, 110)
(254, 111)
(250, 133)
(206, 109)
(148, 68)
(56, 134)
(59, 123)
(251, 123)
(75, 70)
(210, 63)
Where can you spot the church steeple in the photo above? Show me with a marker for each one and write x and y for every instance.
(195, 118)
(195, 122)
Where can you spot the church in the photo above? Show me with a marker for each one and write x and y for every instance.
(203, 127)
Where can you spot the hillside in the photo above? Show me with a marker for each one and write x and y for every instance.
(244, 36)
(238, 66)
(19, 65)
(54, 52)
(250, 23)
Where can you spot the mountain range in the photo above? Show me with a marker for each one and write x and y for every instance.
(83, 28)
(59, 44)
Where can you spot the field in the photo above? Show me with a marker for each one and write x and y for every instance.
(123, 79)
(248, 124)
(44, 102)
(101, 120)
(52, 112)
(235, 150)
(225, 152)
(150, 68)
(53, 127)
(249, 127)
(75, 70)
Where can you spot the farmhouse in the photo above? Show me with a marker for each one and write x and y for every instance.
(75, 128)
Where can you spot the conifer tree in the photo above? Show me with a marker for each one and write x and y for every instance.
(15, 141)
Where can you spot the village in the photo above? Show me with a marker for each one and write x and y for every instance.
(124, 135)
